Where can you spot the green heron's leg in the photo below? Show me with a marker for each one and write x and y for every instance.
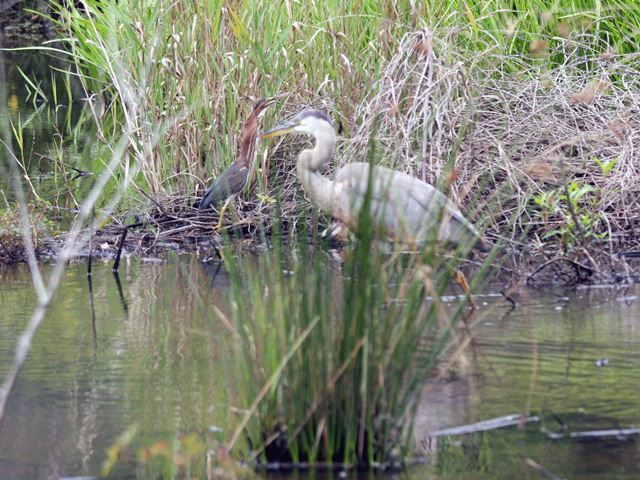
(224, 207)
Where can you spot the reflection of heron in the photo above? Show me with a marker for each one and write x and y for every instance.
(232, 181)
(403, 208)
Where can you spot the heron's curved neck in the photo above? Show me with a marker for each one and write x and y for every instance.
(318, 156)
(319, 188)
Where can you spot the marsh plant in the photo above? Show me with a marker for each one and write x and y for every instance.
(496, 96)
(333, 355)
(196, 63)
(577, 209)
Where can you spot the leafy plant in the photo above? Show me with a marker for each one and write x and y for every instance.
(606, 166)
(576, 206)
(181, 457)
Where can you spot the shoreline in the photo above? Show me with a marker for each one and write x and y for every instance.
(192, 233)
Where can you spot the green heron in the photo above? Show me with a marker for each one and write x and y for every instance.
(404, 209)
(232, 181)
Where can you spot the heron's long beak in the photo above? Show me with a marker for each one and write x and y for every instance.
(282, 129)
(275, 98)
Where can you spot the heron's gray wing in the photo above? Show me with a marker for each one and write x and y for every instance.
(395, 212)
(443, 209)
(405, 207)
(229, 183)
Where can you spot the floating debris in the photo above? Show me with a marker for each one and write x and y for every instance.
(486, 425)
(619, 434)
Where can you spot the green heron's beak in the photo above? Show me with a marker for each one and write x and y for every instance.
(282, 129)
(264, 102)
(275, 98)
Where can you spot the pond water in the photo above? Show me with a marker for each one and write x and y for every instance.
(151, 350)
(52, 134)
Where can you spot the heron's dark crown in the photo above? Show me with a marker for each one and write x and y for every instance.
(312, 112)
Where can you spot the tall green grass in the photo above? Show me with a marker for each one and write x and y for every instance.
(187, 68)
(184, 69)
(332, 363)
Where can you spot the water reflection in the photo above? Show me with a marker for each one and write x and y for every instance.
(53, 135)
(154, 352)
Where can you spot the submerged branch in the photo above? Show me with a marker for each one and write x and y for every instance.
(486, 425)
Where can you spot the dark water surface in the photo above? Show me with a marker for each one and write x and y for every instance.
(53, 136)
(156, 354)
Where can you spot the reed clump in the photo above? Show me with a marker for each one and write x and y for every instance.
(332, 357)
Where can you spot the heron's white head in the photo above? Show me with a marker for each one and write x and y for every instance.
(312, 122)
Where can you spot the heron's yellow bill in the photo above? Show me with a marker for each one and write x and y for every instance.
(278, 130)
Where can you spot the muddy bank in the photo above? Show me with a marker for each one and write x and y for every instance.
(186, 230)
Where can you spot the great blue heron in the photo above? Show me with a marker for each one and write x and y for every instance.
(232, 181)
(404, 209)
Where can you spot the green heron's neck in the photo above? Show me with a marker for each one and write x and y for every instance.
(248, 142)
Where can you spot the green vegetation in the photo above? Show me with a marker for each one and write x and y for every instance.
(332, 363)
(184, 457)
(459, 87)
(574, 205)
(185, 69)
(12, 233)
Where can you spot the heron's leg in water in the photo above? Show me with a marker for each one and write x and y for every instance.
(224, 207)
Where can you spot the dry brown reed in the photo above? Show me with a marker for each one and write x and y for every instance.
(417, 107)
(559, 125)
(508, 139)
